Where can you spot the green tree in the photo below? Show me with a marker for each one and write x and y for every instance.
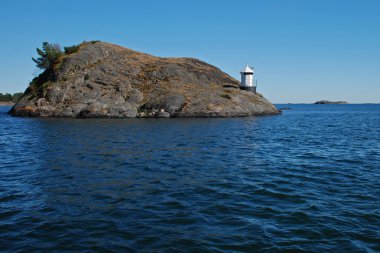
(48, 56)
(71, 49)
(5, 97)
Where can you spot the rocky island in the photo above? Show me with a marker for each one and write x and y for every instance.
(98, 79)
(326, 102)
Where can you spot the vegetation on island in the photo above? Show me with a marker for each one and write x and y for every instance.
(49, 58)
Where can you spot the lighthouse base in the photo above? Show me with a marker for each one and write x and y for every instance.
(248, 88)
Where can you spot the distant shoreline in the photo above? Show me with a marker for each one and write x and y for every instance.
(6, 103)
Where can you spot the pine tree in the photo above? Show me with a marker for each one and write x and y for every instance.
(48, 55)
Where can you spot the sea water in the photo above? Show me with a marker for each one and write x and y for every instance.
(304, 181)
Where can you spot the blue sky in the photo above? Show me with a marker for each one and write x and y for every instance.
(303, 50)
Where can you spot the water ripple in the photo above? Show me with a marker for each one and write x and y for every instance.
(306, 181)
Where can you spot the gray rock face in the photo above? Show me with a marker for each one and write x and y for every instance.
(106, 80)
(163, 114)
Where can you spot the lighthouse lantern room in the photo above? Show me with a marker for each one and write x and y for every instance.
(247, 79)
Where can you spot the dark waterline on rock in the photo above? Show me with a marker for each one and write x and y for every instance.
(305, 181)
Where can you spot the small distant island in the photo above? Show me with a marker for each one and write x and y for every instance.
(102, 80)
(326, 102)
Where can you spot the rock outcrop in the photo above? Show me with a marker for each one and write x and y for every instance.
(106, 80)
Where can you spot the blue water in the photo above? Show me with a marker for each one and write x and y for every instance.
(305, 181)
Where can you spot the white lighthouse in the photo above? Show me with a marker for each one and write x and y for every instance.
(247, 79)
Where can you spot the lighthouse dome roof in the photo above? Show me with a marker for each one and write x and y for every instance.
(246, 69)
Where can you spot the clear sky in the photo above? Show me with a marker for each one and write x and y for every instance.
(302, 50)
